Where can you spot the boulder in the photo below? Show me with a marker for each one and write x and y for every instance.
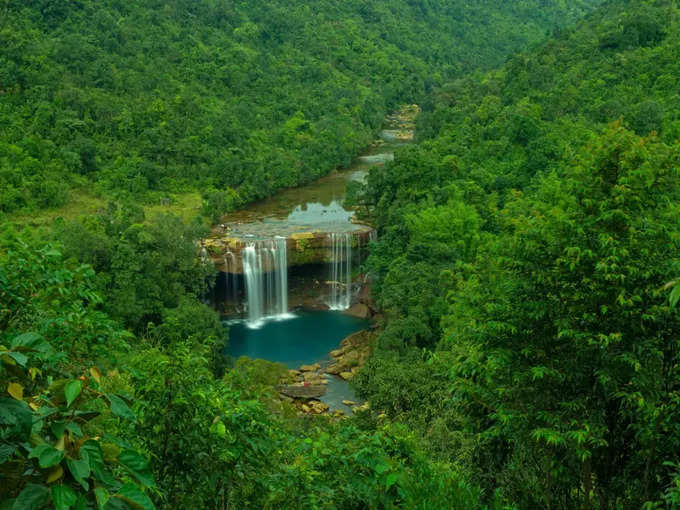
(303, 391)
(337, 353)
(359, 409)
(349, 402)
(334, 369)
(318, 407)
(313, 378)
(346, 375)
(306, 409)
(360, 310)
(310, 368)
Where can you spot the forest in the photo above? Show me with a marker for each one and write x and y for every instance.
(526, 267)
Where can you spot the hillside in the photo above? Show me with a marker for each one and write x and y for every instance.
(144, 99)
(525, 243)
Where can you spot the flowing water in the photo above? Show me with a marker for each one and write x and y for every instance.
(265, 270)
(258, 282)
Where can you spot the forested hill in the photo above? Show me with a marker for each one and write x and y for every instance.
(525, 252)
(142, 98)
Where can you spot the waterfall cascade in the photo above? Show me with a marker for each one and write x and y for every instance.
(341, 271)
(256, 277)
(265, 269)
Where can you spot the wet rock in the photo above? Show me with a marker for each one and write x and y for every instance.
(334, 369)
(310, 368)
(349, 402)
(360, 310)
(362, 408)
(346, 375)
(318, 407)
(337, 353)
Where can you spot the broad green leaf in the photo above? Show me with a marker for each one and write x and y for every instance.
(63, 497)
(75, 429)
(138, 466)
(32, 497)
(102, 496)
(81, 504)
(58, 428)
(47, 455)
(80, 470)
(30, 342)
(134, 496)
(91, 450)
(21, 359)
(391, 479)
(72, 390)
(120, 408)
(17, 415)
(6, 451)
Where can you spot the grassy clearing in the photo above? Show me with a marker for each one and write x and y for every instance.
(83, 203)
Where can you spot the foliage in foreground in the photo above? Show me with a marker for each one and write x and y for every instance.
(92, 415)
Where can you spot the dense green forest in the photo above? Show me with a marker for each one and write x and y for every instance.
(527, 263)
(142, 99)
(526, 245)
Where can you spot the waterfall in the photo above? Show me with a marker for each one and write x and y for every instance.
(282, 272)
(265, 269)
(341, 271)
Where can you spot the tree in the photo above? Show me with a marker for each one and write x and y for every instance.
(572, 351)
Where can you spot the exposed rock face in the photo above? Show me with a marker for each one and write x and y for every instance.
(353, 353)
(334, 369)
(360, 310)
(302, 247)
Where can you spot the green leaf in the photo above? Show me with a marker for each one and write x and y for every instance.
(91, 451)
(391, 479)
(102, 496)
(31, 342)
(17, 415)
(63, 497)
(32, 497)
(47, 455)
(75, 429)
(21, 359)
(133, 495)
(58, 428)
(72, 390)
(6, 451)
(81, 504)
(120, 408)
(80, 470)
(138, 466)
